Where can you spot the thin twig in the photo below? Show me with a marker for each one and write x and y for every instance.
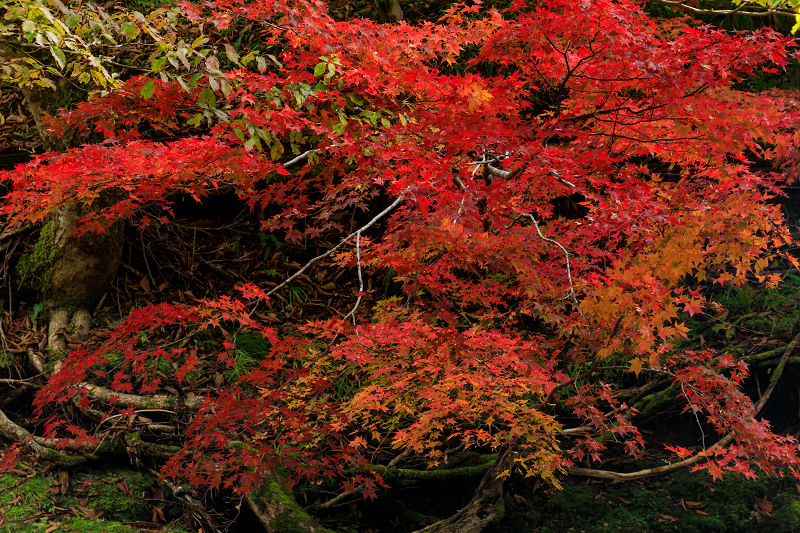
(352, 313)
(344, 241)
(696, 418)
(146, 263)
(566, 256)
(21, 382)
(558, 176)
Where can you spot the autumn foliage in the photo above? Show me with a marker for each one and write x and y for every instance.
(548, 185)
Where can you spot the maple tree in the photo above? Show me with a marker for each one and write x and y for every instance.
(458, 144)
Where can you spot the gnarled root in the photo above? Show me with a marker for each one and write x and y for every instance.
(486, 504)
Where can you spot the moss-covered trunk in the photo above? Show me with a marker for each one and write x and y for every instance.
(70, 271)
(79, 271)
(276, 509)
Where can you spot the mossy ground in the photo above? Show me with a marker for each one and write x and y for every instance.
(682, 502)
(90, 501)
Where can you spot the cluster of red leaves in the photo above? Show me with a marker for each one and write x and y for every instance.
(511, 311)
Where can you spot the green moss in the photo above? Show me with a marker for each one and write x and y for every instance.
(786, 513)
(657, 402)
(105, 495)
(683, 502)
(6, 359)
(33, 267)
(290, 517)
(93, 526)
(30, 497)
(475, 471)
(626, 520)
(39, 504)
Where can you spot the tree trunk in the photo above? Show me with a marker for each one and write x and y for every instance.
(81, 269)
(392, 11)
(72, 271)
(276, 509)
(486, 504)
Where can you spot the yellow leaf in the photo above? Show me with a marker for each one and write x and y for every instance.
(636, 366)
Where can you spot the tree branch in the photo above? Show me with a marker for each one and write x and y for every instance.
(344, 241)
(740, 10)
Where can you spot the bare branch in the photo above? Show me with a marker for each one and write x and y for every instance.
(647, 472)
(752, 10)
(16, 433)
(298, 158)
(352, 313)
(776, 374)
(344, 241)
(566, 255)
(140, 402)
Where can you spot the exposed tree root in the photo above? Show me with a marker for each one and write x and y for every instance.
(156, 401)
(276, 509)
(486, 503)
(390, 473)
(16, 433)
(193, 510)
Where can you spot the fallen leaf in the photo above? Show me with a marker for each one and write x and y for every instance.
(122, 485)
(694, 505)
(762, 507)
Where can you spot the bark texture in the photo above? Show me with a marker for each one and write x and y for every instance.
(486, 504)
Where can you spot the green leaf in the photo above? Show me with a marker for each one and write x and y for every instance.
(99, 79)
(147, 89)
(72, 21)
(207, 98)
(58, 55)
(196, 120)
(182, 51)
(224, 86)
(200, 41)
(276, 152)
(46, 82)
(182, 83)
(159, 64)
(319, 70)
(233, 56)
(251, 143)
(128, 30)
(52, 37)
(212, 63)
